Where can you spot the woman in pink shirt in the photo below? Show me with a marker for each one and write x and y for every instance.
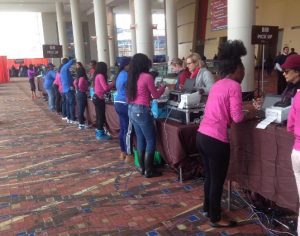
(224, 106)
(291, 72)
(100, 87)
(140, 91)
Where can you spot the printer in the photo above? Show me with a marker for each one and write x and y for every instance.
(280, 114)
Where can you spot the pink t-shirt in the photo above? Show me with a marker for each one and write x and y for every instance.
(146, 90)
(57, 82)
(101, 86)
(81, 84)
(293, 123)
(224, 105)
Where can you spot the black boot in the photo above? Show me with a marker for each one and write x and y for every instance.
(149, 169)
(141, 157)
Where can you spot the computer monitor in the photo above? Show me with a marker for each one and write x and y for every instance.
(189, 85)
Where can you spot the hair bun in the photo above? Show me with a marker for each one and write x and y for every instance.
(231, 50)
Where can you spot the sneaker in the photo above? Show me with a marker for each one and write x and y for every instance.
(68, 121)
(64, 118)
(74, 122)
(81, 126)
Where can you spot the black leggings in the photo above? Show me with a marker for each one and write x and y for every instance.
(32, 85)
(100, 112)
(215, 156)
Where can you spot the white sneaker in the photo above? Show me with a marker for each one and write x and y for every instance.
(64, 118)
(69, 121)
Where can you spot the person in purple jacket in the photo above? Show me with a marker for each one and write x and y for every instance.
(224, 106)
(100, 87)
(140, 90)
(291, 72)
(81, 86)
(31, 74)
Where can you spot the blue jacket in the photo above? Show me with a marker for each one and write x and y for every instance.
(49, 79)
(121, 82)
(66, 77)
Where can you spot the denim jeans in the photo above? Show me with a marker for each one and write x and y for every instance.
(122, 110)
(81, 99)
(144, 128)
(70, 105)
(51, 99)
(64, 105)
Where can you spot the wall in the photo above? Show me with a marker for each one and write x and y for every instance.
(284, 14)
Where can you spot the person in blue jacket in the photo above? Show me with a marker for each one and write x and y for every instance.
(68, 89)
(121, 108)
(49, 78)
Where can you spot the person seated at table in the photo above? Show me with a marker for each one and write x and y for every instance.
(203, 77)
(101, 87)
(140, 90)
(291, 72)
(292, 85)
(121, 107)
(223, 106)
(182, 72)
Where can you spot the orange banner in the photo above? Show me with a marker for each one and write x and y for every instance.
(4, 76)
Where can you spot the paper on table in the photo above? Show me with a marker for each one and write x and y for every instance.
(264, 123)
(181, 105)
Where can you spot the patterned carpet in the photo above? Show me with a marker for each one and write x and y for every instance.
(58, 180)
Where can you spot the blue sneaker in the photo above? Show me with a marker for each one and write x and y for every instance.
(101, 136)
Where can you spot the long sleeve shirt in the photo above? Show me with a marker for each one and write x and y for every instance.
(146, 90)
(31, 73)
(204, 80)
(101, 86)
(224, 105)
(66, 77)
(81, 84)
(121, 82)
(49, 79)
(293, 123)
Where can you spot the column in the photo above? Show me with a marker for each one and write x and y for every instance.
(132, 23)
(77, 31)
(61, 25)
(101, 30)
(171, 29)
(143, 27)
(111, 35)
(239, 27)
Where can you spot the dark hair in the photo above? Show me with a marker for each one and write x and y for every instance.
(80, 72)
(30, 67)
(229, 56)
(101, 68)
(139, 63)
(93, 63)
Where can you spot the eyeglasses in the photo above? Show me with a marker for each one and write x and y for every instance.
(190, 63)
(286, 71)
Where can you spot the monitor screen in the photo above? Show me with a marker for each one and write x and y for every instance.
(270, 100)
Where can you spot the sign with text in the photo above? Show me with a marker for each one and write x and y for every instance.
(262, 34)
(218, 12)
(52, 51)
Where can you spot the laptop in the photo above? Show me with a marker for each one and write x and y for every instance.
(189, 86)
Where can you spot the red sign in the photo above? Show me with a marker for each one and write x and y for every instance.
(218, 11)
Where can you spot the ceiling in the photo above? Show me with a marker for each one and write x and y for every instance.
(119, 6)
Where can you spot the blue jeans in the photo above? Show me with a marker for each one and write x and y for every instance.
(81, 99)
(51, 99)
(63, 105)
(144, 128)
(122, 110)
(70, 105)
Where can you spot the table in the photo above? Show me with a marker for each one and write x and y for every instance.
(260, 161)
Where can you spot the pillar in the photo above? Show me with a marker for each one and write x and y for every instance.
(111, 35)
(171, 29)
(143, 27)
(61, 25)
(239, 27)
(77, 31)
(101, 31)
(132, 23)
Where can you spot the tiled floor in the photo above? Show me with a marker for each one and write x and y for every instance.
(58, 180)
